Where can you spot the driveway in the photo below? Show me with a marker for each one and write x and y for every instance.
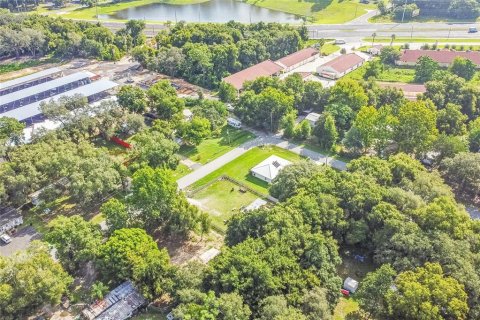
(20, 241)
(262, 139)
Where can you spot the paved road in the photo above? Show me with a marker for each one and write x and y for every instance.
(360, 28)
(261, 139)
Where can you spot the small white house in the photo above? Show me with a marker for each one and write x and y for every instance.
(312, 118)
(350, 285)
(269, 168)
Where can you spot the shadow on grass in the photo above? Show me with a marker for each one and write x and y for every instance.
(319, 5)
(263, 184)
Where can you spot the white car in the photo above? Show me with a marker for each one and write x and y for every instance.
(5, 238)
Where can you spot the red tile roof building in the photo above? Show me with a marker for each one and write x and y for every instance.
(411, 91)
(263, 69)
(443, 57)
(298, 58)
(340, 66)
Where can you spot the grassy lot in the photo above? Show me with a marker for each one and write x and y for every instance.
(108, 7)
(321, 11)
(222, 199)
(15, 66)
(181, 171)
(344, 308)
(390, 74)
(422, 40)
(213, 148)
(329, 48)
(239, 168)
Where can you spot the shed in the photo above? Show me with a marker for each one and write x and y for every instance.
(312, 118)
(350, 284)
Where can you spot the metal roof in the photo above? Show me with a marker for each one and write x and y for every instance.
(43, 87)
(263, 69)
(33, 109)
(30, 77)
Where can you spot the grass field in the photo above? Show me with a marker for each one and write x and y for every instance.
(108, 7)
(222, 199)
(329, 48)
(239, 168)
(390, 74)
(213, 148)
(320, 11)
(181, 171)
(423, 40)
(344, 308)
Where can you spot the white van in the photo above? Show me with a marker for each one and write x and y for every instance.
(234, 123)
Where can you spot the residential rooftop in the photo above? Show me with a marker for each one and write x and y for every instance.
(263, 69)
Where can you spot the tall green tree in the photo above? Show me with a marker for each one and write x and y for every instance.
(326, 131)
(463, 68)
(426, 293)
(131, 254)
(162, 98)
(29, 279)
(76, 240)
(132, 98)
(425, 69)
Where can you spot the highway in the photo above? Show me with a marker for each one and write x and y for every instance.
(360, 28)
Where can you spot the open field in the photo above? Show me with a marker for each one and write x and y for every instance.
(422, 40)
(108, 7)
(213, 148)
(344, 308)
(239, 168)
(321, 11)
(389, 74)
(181, 171)
(329, 48)
(222, 199)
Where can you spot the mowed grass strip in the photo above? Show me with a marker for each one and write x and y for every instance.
(222, 200)
(213, 148)
(389, 74)
(239, 169)
(320, 11)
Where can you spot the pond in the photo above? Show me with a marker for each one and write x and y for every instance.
(211, 11)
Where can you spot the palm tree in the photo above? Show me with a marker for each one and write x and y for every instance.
(374, 35)
(393, 39)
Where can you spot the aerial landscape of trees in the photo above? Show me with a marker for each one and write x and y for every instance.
(411, 166)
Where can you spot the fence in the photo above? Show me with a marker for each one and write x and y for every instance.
(238, 183)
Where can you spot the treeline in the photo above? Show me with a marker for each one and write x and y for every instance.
(205, 53)
(37, 35)
(456, 9)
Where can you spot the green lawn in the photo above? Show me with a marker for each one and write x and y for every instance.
(108, 7)
(97, 219)
(222, 199)
(239, 168)
(181, 171)
(329, 48)
(213, 148)
(320, 11)
(422, 40)
(344, 308)
(15, 66)
(390, 74)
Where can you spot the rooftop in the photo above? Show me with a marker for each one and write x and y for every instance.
(263, 69)
(270, 167)
(33, 109)
(440, 56)
(344, 62)
(296, 57)
(30, 77)
(46, 86)
(312, 117)
(118, 304)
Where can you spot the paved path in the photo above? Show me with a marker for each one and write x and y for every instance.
(261, 139)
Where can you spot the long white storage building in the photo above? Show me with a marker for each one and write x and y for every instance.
(29, 80)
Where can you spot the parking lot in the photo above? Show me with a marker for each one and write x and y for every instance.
(20, 241)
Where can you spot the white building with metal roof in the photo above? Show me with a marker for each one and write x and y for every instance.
(30, 112)
(269, 168)
(44, 90)
(25, 81)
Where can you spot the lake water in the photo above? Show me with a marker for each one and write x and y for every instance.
(211, 11)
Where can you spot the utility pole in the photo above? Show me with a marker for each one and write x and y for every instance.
(404, 9)
(96, 8)
(449, 30)
(411, 34)
(356, 10)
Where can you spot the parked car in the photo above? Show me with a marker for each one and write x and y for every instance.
(5, 238)
(340, 41)
(472, 30)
